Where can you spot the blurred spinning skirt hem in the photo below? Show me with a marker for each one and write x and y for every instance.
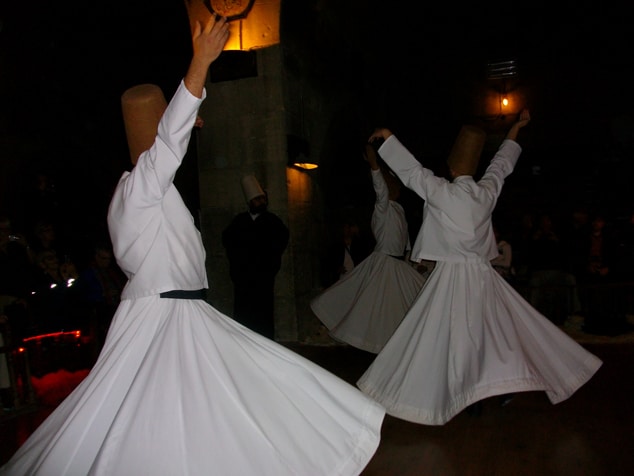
(181, 389)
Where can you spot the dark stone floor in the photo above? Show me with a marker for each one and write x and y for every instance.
(592, 433)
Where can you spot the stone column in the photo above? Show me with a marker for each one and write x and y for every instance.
(245, 133)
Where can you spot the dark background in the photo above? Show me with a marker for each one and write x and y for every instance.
(410, 66)
(418, 68)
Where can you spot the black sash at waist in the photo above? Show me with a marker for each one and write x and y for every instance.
(181, 294)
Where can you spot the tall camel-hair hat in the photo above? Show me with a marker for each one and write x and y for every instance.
(251, 188)
(465, 153)
(142, 107)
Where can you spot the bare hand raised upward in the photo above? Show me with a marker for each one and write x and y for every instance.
(524, 118)
(380, 133)
(208, 41)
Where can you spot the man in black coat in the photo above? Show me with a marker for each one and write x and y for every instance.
(255, 241)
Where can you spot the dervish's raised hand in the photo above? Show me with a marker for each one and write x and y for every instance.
(380, 133)
(208, 42)
(524, 118)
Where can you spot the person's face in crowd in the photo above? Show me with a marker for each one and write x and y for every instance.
(598, 223)
(44, 183)
(258, 204)
(68, 271)
(48, 261)
(103, 258)
(350, 230)
(527, 221)
(5, 231)
(46, 233)
(579, 217)
(545, 222)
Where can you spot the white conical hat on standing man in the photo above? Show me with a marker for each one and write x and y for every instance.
(251, 188)
(142, 107)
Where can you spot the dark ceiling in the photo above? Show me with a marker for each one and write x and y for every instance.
(417, 69)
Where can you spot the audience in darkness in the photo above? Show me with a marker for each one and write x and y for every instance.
(566, 261)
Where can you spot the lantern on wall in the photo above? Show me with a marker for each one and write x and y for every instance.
(253, 24)
(234, 10)
(502, 74)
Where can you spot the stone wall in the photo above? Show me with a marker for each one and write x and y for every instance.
(245, 131)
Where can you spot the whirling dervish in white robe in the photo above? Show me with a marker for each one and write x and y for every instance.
(468, 335)
(180, 389)
(367, 304)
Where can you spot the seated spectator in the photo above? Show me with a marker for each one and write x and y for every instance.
(99, 287)
(41, 199)
(624, 270)
(55, 302)
(17, 274)
(604, 299)
(6, 390)
(45, 237)
(522, 237)
(574, 236)
(552, 287)
(625, 257)
(503, 263)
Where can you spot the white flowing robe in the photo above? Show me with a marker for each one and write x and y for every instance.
(365, 306)
(179, 388)
(468, 335)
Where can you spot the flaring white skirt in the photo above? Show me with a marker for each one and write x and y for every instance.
(181, 389)
(468, 336)
(365, 306)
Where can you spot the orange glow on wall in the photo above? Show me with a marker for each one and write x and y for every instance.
(261, 27)
(300, 188)
(491, 103)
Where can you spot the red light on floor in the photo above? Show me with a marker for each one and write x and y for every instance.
(76, 333)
